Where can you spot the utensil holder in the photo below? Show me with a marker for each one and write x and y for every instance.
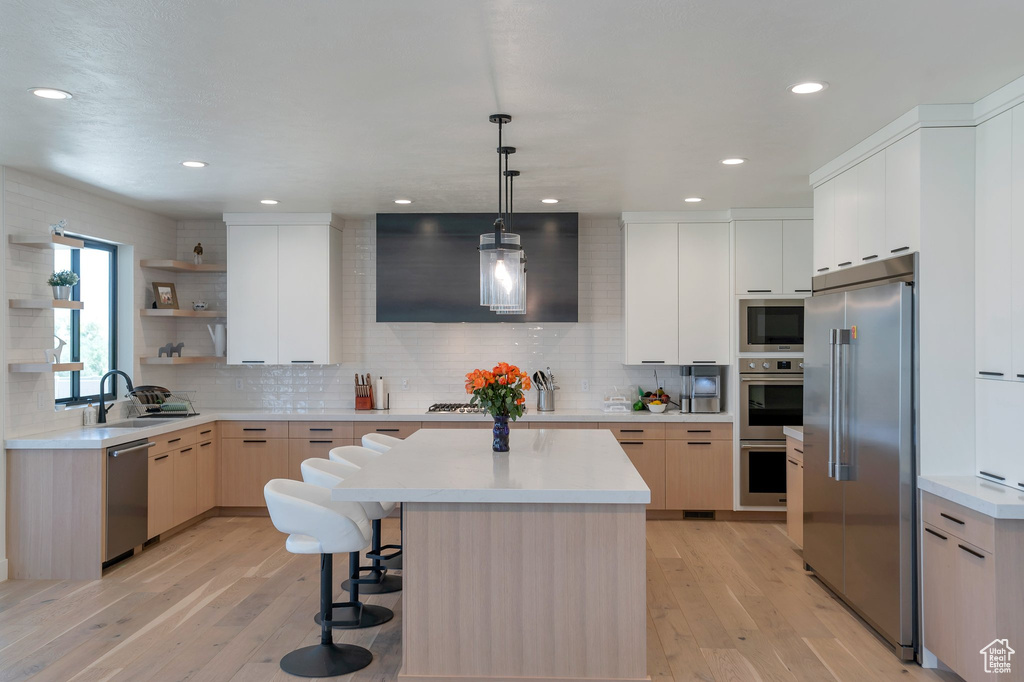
(545, 400)
(365, 402)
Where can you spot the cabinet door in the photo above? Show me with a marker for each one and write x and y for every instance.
(758, 257)
(938, 579)
(698, 474)
(795, 500)
(974, 594)
(648, 456)
(651, 296)
(998, 429)
(824, 226)
(161, 494)
(206, 476)
(703, 294)
(903, 195)
(1017, 245)
(252, 288)
(185, 484)
(993, 257)
(871, 209)
(304, 281)
(846, 221)
(797, 254)
(301, 449)
(246, 466)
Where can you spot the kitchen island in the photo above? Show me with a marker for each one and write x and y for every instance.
(523, 565)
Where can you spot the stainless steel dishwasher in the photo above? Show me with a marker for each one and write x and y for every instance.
(127, 497)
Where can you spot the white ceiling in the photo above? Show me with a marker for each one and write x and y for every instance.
(345, 106)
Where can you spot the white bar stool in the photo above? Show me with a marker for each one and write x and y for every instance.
(379, 442)
(316, 525)
(353, 455)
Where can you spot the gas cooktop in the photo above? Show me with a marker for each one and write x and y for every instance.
(464, 408)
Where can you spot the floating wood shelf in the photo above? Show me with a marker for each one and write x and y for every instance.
(182, 266)
(51, 242)
(168, 312)
(38, 367)
(45, 304)
(187, 360)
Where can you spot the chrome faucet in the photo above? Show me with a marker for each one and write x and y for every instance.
(102, 417)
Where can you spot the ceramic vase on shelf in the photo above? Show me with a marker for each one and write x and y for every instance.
(61, 293)
(500, 432)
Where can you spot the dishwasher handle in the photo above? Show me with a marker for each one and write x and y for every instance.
(143, 446)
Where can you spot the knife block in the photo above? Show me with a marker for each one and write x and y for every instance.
(365, 402)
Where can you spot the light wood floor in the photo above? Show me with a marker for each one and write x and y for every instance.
(223, 601)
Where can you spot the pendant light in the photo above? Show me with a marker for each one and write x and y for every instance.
(501, 258)
(520, 307)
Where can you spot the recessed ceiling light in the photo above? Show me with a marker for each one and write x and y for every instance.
(549, 201)
(194, 164)
(50, 93)
(269, 202)
(808, 88)
(403, 201)
(735, 161)
(693, 200)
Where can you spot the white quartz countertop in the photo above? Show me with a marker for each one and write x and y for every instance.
(794, 432)
(992, 499)
(93, 437)
(566, 466)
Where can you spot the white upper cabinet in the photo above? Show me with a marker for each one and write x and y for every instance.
(704, 294)
(307, 292)
(652, 294)
(845, 240)
(759, 257)
(993, 255)
(1017, 246)
(871, 209)
(903, 195)
(797, 241)
(824, 227)
(252, 287)
(998, 431)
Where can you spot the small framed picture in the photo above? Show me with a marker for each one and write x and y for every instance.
(166, 296)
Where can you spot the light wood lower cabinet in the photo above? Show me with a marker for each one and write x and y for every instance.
(161, 493)
(698, 474)
(206, 476)
(246, 465)
(300, 449)
(648, 456)
(185, 484)
(795, 491)
(938, 573)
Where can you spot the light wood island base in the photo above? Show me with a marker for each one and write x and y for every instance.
(504, 592)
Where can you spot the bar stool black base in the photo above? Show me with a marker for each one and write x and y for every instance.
(373, 616)
(393, 564)
(326, 660)
(390, 583)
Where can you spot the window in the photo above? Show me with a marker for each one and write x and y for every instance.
(91, 333)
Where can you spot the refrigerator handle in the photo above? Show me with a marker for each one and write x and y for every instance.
(831, 401)
(843, 469)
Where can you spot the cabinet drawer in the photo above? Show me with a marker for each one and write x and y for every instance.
(207, 432)
(302, 449)
(698, 474)
(396, 429)
(474, 424)
(319, 430)
(565, 425)
(699, 431)
(246, 464)
(795, 450)
(174, 440)
(254, 429)
(636, 431)
(961, 522)
(648, 456)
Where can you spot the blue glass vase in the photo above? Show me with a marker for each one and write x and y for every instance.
(500, 432)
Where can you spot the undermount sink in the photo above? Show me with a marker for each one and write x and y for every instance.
(137, 423)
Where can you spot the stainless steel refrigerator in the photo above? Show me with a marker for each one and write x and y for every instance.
(859, 467)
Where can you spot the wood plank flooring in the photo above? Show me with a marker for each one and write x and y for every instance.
(223, 602)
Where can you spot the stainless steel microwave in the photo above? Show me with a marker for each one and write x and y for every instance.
(771, 325)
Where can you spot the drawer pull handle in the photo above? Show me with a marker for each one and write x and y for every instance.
(843, 265)
(702, 362)
(700, 442)
(1020, 376)
(822, 269)
(951, 518)
(902, 248)
(794, 462)
(254, 441)
(321, 442)
(387, 430)
(698, 430)
(205, 445)
(995, 476)
(157, 459)
(203, 433)
(759, 291)
(652, 362)
(252, 362)
(938, 535)
(173, 440)
(991, 374)
(185, 450)
(302, 362)
(801, 291)
(253, 429)
(631, 442)
(799, 450)
(872, 257)
(631, 430)
(971, 551)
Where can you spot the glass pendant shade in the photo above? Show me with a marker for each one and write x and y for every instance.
(520, 260)
(502, 286)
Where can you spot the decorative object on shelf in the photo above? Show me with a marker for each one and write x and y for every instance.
(165, 295)
(170, 349)
(198, 305)
(197, 254)
(58, 227)
(218, 333)
(62, 281)
(500, 392)
(502, 261)
(52, 355)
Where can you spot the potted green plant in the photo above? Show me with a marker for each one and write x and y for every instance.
(62, 281)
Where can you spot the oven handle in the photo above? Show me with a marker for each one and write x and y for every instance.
(775, 379)
(762, 445)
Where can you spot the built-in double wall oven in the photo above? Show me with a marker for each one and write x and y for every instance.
(771, 397)
(771, 325)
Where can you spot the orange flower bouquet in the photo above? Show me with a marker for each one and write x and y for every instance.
(500, 392)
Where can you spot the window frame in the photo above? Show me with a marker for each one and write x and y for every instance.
(75, 343)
